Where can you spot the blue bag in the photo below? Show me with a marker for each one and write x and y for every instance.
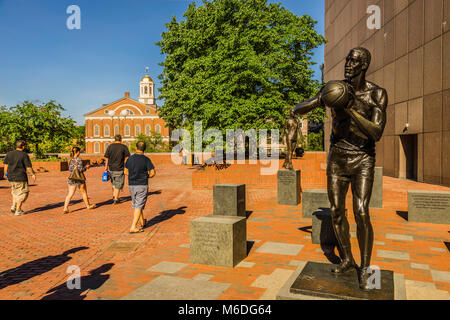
(106, 176)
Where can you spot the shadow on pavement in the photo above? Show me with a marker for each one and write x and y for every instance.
(249, 246)
(403, 214)
(93, 281)
(307, 229)
(328, 251)
(53, 206)
(35, 268)
(165, 215)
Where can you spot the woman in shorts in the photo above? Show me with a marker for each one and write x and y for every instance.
(76, 162)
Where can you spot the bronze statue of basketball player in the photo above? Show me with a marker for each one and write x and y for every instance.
(292, 133)
(355, 129)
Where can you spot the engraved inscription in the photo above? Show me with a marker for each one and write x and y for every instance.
(206, 237)
(433, 202)
(286, 177)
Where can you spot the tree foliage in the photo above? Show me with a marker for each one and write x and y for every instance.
(314, 141)
(43, 127)
(154, 143)
(236, 64)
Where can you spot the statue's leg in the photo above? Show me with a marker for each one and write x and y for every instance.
(337, 191)
(288, 154)
(362, 190)
(293, 146)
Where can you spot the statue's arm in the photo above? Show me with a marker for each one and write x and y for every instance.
(307, 106)
(372, 128)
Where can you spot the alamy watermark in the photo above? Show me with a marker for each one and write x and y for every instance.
(374, 281)
(74, 280)
(239, 143)
(74, 20)
(374, 20)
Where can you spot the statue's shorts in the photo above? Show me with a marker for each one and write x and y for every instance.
(347, 165)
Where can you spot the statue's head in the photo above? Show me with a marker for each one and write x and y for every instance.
(357, 62)
(291, 113)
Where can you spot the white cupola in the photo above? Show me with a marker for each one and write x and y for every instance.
(147, 90)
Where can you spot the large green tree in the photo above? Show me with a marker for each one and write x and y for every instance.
(236, 64)
(43, 127)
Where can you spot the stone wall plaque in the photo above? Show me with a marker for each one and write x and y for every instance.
(429, 206)
(289, 188)
(229, 200)
(218, 240)
(314, 200)
(376, 200)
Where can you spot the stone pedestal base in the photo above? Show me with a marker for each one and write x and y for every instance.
(314, 200)
(317, 281)
(218, 240)
(376, 200)
(322, 228)
(229, 200)
(289, 188)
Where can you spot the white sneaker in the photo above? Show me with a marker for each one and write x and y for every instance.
(13, 209)
(19, 213)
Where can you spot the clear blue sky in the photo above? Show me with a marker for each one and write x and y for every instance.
(40, 59)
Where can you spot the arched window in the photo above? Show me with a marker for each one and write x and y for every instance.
(145, 90)
(158, 128)
(96, 130)
(150, 90)
(106, 145)
(148, 130)
(106, 131)
(96, 147)
(137, 130)
(127, 130)
(116, 129)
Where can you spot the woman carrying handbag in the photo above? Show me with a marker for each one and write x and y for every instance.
(77, 180)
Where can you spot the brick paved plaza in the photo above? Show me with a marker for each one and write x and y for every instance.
(37, 248)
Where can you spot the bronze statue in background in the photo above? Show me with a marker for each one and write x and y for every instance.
(292, 136)
(358, 109)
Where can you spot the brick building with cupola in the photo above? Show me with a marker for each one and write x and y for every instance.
(126, 117)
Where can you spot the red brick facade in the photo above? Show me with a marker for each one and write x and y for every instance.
(126, 117)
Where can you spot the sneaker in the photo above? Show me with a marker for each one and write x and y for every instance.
(19, 213)
(13, 209)
(115, 202)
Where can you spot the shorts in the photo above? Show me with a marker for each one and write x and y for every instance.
(117, 179)
(138, 196)
(347, 165)
(19, 191)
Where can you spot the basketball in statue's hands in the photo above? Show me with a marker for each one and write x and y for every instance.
(337, 94)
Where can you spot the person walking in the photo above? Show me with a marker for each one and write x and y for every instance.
(76, 163)
(17, 165)
(139, 169)
(116, 155)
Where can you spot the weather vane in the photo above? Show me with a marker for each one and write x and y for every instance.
(146, 70)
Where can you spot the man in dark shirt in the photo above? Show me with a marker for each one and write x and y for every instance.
(116, 155)
(17, 164)
(139, 169)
